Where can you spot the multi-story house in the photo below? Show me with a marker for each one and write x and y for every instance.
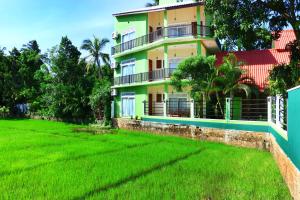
(149, 44)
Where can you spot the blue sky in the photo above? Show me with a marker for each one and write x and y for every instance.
(48, 20)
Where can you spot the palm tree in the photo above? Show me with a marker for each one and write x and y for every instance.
(94, 48)
(154, 3)
(233, 77)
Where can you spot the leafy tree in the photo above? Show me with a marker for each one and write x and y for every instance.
(200, 74)
(206, 80)
(100, 99)
(154, 3)
(94, 48)
(247, 24)
(231, 77)
(282, 78)
(68, 84)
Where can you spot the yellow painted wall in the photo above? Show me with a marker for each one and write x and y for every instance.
(156, 19)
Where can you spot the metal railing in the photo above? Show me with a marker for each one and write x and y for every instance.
(283, 113)
(154, 108)
(249, 109)
(192, 29)
(178, 108)
(207, 110)
(155, 75)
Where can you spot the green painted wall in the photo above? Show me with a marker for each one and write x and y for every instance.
(293, 126)
(139, 22)
(141, 62)
(140, 97)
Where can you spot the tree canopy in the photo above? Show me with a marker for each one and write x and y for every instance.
(247, 24)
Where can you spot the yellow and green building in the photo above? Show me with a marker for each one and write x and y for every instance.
(149, 43)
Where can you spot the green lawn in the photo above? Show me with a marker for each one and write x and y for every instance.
(47, 160)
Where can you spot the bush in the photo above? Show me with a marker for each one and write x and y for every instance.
(4, 112)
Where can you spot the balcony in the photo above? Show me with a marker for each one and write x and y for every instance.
(177, 31)
(155, 75)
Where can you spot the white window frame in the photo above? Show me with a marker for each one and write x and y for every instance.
(128, 95)
(128, 62)
(132, 30)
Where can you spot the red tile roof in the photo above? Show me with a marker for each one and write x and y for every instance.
(258, 63)
(286, 36)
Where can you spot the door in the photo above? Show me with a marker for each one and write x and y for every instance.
(150, 70)
(128, 105)
(159, 32)
(151, 34)
(150, 106)
(194, 28)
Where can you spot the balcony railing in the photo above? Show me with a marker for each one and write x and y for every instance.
(155, 75)
(192, 29)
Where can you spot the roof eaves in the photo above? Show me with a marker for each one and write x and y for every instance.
(158, 8)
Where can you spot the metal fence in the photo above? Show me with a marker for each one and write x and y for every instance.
(178, 108)
(154, 108)
(278, 111)
(192, 29)
(205, 110)
(249, 109)
(146, 76)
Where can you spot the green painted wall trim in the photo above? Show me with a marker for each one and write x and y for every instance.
(293, 126)
(212, 124)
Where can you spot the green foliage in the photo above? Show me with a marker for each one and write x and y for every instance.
(283, 77)
(48, 160)
(207, 81)
(95, 55)
(100, 99)
(67, 84)
(153, 3)
(17, 82)
(231, 77)
(57, 85)
(198, 73)
(4, 112)
(247, 24)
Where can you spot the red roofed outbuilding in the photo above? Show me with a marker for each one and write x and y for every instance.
(259, 63)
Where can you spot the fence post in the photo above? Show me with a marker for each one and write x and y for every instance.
(165, 108)
(192, 108)
(204, 107)
(228, 109)
(278, 110)
(269, 109)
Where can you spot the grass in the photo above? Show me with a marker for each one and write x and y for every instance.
(49, 160)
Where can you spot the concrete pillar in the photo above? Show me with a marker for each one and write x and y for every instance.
(166, 92)
(198, 14)
(166, 56)
(165, 23)
(192, 108)
(112, 115)
(228, 109)
(199, 48)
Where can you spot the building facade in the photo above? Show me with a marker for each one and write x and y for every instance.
(149, 43)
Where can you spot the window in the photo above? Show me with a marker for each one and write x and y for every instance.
(128, 105)
(128, 36)
(128, 67)
(174, 62)
(128, 40)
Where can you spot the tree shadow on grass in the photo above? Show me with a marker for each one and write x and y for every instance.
(138, 175)
(6, 173)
